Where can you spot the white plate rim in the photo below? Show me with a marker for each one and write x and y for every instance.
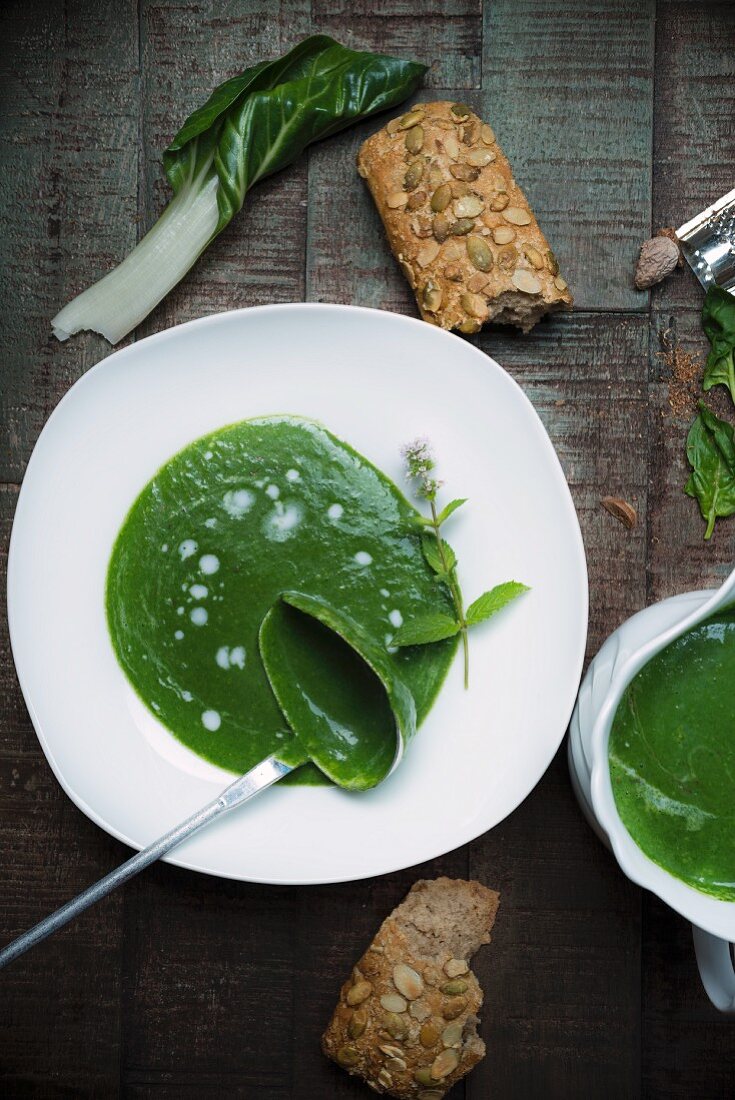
(211, 321)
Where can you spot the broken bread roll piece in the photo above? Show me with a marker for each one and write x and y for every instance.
(458, 223)
(407, 1020)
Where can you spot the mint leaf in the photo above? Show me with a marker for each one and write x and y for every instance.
(450, 508)
(449, 555)
(430, 549)
(490, 602)
(426, 629)
(431, 553)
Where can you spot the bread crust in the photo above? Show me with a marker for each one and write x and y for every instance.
(407, 1015)
(458, 223)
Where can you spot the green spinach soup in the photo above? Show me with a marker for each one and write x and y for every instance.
(252, 596)
(672, 757)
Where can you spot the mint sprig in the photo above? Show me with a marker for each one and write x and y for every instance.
(441, 558)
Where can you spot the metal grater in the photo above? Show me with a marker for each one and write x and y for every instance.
(708, 243)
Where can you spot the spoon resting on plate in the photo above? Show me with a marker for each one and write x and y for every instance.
(364, 698)
(260, 777)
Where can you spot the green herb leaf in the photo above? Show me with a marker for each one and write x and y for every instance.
(449, 555)
(257, 123)
(711, 454)
(718, 321)
(430, 548)
(447, 511)
(490, 602)
(425, 629)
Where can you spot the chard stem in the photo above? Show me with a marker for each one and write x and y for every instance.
(122, 298)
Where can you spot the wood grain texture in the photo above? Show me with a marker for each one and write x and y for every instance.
(561, 980)
(68, 164)
(694, 134)
(568, 89)
(194, 987)
(446, 35)
(686, 1044)
(259, 968)
(60, 1005)
(259, 258)
(356, 267)
(586, 375)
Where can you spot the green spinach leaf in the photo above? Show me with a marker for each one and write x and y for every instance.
(718, 321)
(711, 454)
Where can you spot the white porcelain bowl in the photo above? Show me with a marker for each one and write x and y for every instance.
(622, 656)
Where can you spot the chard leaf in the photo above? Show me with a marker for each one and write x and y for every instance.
(425, 629)
(718, 321)
(257, 123)
(711, 454)
(251, 126)
(430, 550)
(489, 602)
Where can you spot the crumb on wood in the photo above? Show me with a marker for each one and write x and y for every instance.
(685, 373)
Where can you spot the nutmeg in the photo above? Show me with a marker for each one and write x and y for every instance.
(659, 256)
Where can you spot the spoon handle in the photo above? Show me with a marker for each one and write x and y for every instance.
(264, 774)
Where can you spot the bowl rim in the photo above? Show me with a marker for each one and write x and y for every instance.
(712, 914)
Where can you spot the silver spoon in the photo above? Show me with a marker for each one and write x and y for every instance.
(263, 775)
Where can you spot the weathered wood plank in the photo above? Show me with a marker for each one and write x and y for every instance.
(562, 978)
(687, 1045)
(569, 91)
(334, 925)
(68, 191)
(562, 975)
(255, 970)
(68, 162)
(694, 136)
(446, 35)
(186, 51)
(586, 376)
(214, 958)
(60, 1006)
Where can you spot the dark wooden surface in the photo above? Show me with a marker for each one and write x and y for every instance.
(618, 117)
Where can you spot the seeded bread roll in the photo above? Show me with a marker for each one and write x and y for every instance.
(458, 223)
(407, 1017)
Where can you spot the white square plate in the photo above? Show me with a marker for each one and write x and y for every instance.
(376, 380)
